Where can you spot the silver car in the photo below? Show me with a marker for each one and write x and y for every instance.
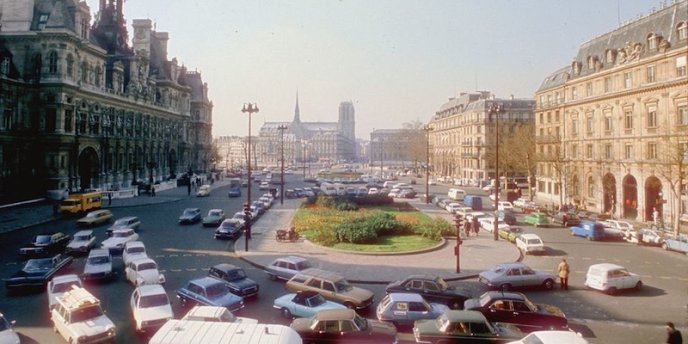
(403, 309)
(98, 265)
(286, 267)
(506, 276)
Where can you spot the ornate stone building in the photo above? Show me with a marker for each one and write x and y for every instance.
(463, 135)
(326, 142)
(81, 108)
(612, 128)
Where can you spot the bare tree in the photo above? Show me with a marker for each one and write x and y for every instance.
(415, 136)
(672, 154)
(517, 152)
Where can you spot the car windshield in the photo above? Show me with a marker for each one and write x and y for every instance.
(189, 212)
(303, 265)
(216, 290)
(84, 237)
(360, 322)
(136, 249)
(215, 213)
(153, 300)
(534, 241)
(343, 285)
(92, 215)
(147, 266)
(86, 313)
(37, 265)
(121, 223)
(237, 274)
(484, 299)
(315, 300)
(41, 239)
(120, 234)
(98, 260)
(498, 269)
(63, 287)
(228, 225)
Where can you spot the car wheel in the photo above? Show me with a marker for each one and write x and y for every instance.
(505, 287)
(665, 247)
(286, 313)
(272, 277)
(590, 238)
(611, 291)
(548, 284)
(638, 285)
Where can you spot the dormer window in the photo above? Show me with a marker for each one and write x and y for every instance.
(42, 20)
(575, 67)
(652, 41)
(591, 62)
(611, 56)
(682, 30)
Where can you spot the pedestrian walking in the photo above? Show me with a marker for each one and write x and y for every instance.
(563, 269)
(673, 335)
(475, 225)
(109, 198)
(655, 217)
(467, 228)
(152, 190)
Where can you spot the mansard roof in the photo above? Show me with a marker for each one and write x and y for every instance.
(555, 79)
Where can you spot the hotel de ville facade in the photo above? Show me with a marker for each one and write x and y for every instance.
(612, 127)
(81, 108)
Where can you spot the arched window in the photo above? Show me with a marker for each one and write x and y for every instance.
(96, 75)
(84, 72)
(52, 62)
(591, 187)
(70, 65)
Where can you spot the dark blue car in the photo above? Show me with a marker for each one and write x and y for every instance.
(235, 191)
(209, 291)
(235, 278)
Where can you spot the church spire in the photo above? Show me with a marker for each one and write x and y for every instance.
(297, 115)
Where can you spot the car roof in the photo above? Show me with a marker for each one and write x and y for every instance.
(305, 294)
(135, 243)
(314, 272)
(606, 266)
(335, 314)
(99, 211)
(192, 209)
(142, 260)
(99, 252)
(215, 210)
(405, 297)
(292, 259)
(125, 230)
(555, 337)
(225, 267)
(529, 236)
(470, 316)
(151, 289)
(511, 295)
(127, 218)
(84, 232)
(512, 265)
(65, 278)
(206, 281)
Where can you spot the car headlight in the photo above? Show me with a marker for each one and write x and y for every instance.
(139, 281)
(161, 278)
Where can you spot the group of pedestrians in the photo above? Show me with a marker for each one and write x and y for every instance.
(471, 226)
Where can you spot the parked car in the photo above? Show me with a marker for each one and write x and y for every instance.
(432, 288)
(240, 217)
(507, 216)
(78, 316)
(215, 314)
(119, 238)
(678, 244)
(37, 272)
(82, 242)
(488, 224)
(520, 202)
(286, 267)
(132, 222)
(190, 216)
(552, 337)
(95, 218)
(143, 271)
(644, 236)
(210, 292)
(536, 219)
(332, 286)
(133, 250)
(403, 309)
(510, 234)
(214, 218)
(530, 207)
(343, 326)
(565, 219)
(530, 243)
(516, 308)
(60, 285)
(623, 226)
(506, 276)
(456, 326)
(150, 307)
(611, 278)
(504, 205)
(235, 278)
(229, 229)
(303, 304)
(98, 265)
(43, 245)
(203, 191)
(7, 333)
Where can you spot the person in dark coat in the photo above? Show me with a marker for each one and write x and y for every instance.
(673, 335)
(475, 225)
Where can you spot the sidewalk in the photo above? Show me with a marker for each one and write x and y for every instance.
(477, 253)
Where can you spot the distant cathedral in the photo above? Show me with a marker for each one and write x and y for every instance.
(328, 142)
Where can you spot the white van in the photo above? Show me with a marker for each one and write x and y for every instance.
(610, 278)
(456, 194)
(211, 332)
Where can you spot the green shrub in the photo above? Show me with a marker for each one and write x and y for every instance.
(345, 205)
(435, 229)
(356, 232)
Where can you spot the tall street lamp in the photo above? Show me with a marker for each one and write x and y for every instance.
(427, 163)
(496, 110)
(249, 108)
(382, 157)
(282, 128)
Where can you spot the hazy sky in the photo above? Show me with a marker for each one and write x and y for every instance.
(397, 60)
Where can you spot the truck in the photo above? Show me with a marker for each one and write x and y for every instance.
(473, 201)
(81, 202)
(212, 332)
(456, 194)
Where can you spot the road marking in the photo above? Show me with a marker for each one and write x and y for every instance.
(191, 269)
(160, 256)
(174, 255)
(176, 270)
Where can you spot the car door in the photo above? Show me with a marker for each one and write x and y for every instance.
(513, 276)
(417, 310)
(623, 278)
(432, 292)
(499, 310)
(130, 272)
(529, 277)
(522, 314)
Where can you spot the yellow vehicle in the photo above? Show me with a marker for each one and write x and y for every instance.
(81, 202)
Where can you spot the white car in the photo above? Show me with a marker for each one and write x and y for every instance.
(78, 315)
(133, 250)
(264, 186)
(520, 202)
(619, 226)
(453, 207)
(132, 222)
(60, 285)
(119, 238)
(98, 265)
(503, 205)
(644, 236)
(530, 243)
(203, 191)
(488, 223)
(7, 333)
(552, 337)
(215, 314)
(610, 278)
(373, 191)
(143, 271)
(150, 306)
(82, 242)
